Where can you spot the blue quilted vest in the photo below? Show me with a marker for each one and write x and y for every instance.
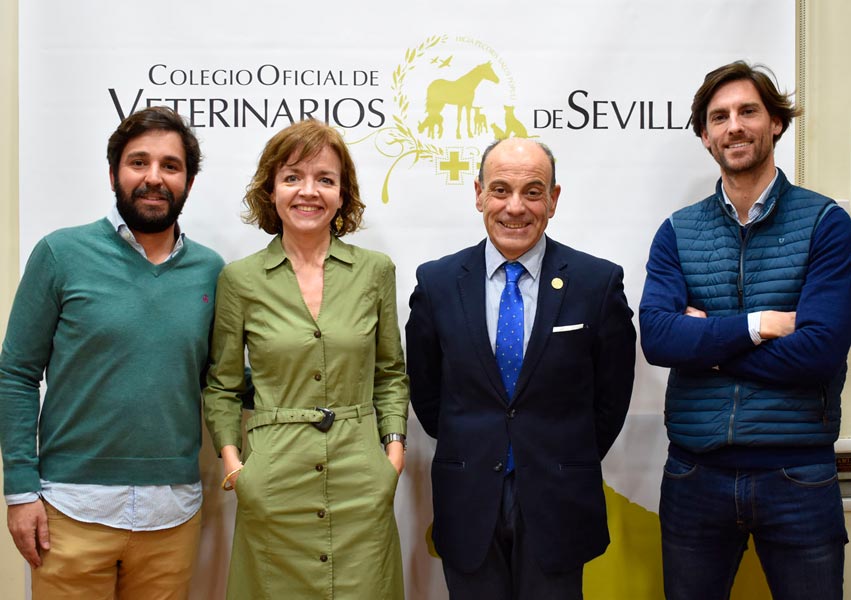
(731, 270)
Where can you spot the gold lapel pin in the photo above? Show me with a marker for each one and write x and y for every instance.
(557, 283)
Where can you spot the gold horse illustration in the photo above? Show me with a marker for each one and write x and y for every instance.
(460, 92)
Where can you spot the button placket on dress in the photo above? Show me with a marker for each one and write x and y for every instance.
(322, 516)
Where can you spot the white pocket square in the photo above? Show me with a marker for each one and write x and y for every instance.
(563, 328)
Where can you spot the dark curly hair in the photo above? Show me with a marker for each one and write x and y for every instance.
(300, 141)
(154, 118)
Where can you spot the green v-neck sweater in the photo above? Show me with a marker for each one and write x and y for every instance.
(123, 343)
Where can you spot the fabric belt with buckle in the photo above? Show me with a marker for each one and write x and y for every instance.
(320, 417)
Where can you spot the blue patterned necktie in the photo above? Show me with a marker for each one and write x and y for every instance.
(509, 337)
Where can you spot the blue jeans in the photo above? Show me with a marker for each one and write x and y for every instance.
(794, 514)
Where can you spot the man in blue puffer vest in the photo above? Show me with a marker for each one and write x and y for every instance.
(747, 300)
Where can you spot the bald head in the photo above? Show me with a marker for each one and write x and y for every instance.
(523, 142)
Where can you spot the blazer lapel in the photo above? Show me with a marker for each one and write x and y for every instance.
(471, 287)
(550, 297)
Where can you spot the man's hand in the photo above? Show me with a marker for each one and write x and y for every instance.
(28, 526)
(694, 312)
(776, 324)
(396, 454)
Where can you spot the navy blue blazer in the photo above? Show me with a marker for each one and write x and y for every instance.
(570, 403)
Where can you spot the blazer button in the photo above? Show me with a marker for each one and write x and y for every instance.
(511, 413)
(323, 557)
(318, 377)
(319, 467)
(317, 334)
(498, 466)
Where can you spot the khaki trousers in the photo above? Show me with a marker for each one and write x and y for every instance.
(95, 562)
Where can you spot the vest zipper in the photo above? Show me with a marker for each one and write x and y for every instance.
(744, 234)
(740, 280)
(733, 414)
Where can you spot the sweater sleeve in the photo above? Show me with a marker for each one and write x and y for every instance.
(390, 388)
(819, 346)
(669, 338)
(26, 352)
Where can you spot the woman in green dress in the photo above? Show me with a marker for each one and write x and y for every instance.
(318, 319)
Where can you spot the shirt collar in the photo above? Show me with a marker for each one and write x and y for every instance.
(121, 228)
(755, 210)
(276, 255)
(531, 259)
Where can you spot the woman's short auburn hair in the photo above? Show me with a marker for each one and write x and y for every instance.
(300, 141)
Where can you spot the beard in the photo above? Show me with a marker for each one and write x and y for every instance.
(761, 155)
(148, 219)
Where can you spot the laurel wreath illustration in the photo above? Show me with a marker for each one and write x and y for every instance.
(398, 138)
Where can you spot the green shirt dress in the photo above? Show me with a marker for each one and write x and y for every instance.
(315, 508)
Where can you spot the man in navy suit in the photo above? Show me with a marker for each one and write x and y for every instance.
(523, 372)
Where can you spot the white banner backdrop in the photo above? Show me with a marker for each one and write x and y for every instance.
(606, 84)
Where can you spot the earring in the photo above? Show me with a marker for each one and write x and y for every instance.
(338, 223)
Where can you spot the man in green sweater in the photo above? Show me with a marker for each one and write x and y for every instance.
(103, 484)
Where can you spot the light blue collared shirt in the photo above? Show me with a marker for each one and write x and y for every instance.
(754, 213)
(528, 285)
(121, 227)
(134, 507)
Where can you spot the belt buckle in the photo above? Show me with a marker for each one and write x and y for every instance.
(327, 419)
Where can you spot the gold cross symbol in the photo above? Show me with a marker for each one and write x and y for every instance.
(454, 165)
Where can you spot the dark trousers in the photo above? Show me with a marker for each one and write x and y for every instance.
(509, 571)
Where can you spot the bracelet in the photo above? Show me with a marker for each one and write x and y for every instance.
(396, 437)
(226, 483)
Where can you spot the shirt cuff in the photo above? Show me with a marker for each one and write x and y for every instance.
(226, 437)
(753, 327)
(392, 424)
(25, 498)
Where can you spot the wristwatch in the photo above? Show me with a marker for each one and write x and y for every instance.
(395, 437)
